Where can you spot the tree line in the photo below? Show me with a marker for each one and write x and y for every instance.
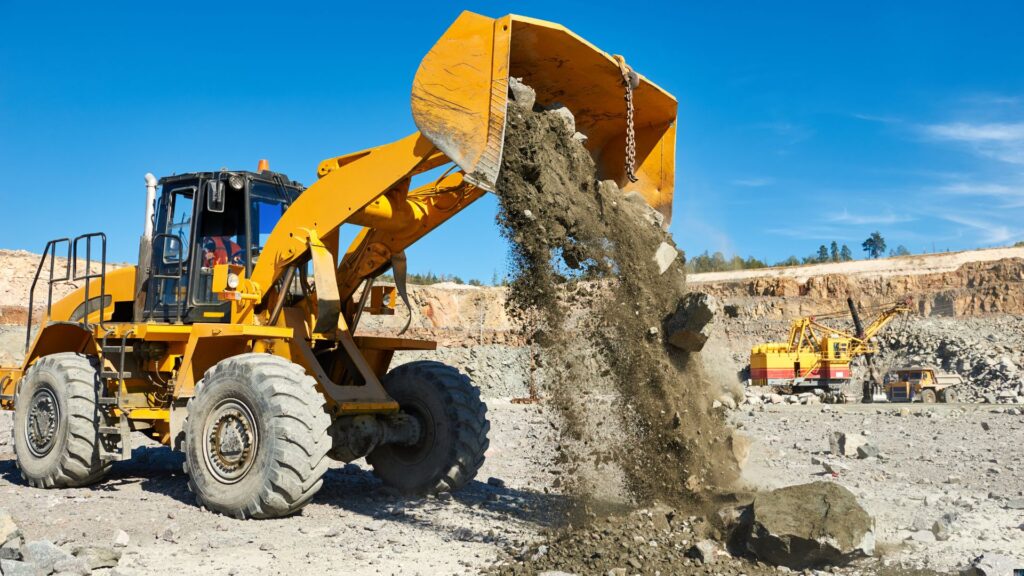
(874, 246)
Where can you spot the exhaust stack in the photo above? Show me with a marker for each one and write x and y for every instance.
(151, 183)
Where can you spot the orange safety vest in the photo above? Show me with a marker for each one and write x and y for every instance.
(224, 250)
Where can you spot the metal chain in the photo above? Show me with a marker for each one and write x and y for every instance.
(630, 80)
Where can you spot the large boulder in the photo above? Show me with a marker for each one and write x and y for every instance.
(810, 525)
(689, 327)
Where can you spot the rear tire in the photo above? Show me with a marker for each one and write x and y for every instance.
(454, 427)
(928, 396)
(948, 396)
(256, 437)
(57, 420)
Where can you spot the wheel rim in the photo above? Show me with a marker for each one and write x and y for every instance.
(231, 441)
(42, 423)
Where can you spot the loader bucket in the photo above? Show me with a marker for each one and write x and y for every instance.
(460, 97)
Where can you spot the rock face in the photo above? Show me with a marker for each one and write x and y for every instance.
(810, 525)
(690, 326)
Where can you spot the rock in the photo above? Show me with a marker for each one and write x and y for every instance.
(727, 401)
(991, 565)
(740, 446)
(565, 115)
(121, 539)
(943, 527)
(16, 568)
(836, 468)
(44, 554)
(810, 525)
(705, 551)
(867, 451)
(843, 444)
(1014, 504)
(985, 426)
(97, 556)
(922, 536)
(8, 528)
(496, 482)
(524, 95)
(690, 325)
(170, 533)
(555, 573)
(77, 566)
(664, 256)
(11, 550)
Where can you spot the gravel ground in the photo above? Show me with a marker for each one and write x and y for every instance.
(351, 520)
(963, 460)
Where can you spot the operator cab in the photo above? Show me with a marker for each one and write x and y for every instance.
(203, 219)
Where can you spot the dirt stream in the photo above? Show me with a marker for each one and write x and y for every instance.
(592, 301)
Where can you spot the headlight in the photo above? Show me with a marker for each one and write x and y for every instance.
(232, 280)
(236, 182)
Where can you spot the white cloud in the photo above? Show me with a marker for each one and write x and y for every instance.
(989, 231)
(754, 182)
(965, 132)
(877, 118)
(1002, 141)
(861, 219)
(803, 232)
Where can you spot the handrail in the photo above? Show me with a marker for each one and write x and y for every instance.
(51, 250)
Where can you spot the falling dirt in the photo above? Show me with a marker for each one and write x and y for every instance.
(587, 288)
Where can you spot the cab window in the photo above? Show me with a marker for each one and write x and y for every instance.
(267, 206)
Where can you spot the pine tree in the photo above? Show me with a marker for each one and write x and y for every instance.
(822, 253)
(874, 245)
(833, 251)
(845, 255)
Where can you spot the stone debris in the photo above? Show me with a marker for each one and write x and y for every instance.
(992, 565)
(121, 539)
(867, 451)
(97, 557)
(810, 525)
(44, 554)
(706, 551)
(843, 444)
(664, 256)
(689, 328)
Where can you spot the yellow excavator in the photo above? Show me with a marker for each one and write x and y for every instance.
(235, 338)
(820, 356)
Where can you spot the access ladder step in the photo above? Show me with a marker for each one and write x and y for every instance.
(110, 430)
(114, 349)
(105, 401)
(115, 375)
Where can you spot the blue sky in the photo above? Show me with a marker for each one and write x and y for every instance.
(799, 122)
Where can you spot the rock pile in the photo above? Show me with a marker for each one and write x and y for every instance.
(42, 557)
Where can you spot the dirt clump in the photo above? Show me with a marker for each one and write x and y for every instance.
(592, 286)
(648, 541)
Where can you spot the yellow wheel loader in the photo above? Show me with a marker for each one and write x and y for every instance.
(235, 338)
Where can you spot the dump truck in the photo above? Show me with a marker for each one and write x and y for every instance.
(921, 384)
(235, 337)
(817, 355)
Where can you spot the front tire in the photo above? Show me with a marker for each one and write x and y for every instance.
(57, 420)
(256, 437)
(928, 396)
(454, 427)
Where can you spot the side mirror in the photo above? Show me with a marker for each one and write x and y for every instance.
(171, 250)
(215, 196)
